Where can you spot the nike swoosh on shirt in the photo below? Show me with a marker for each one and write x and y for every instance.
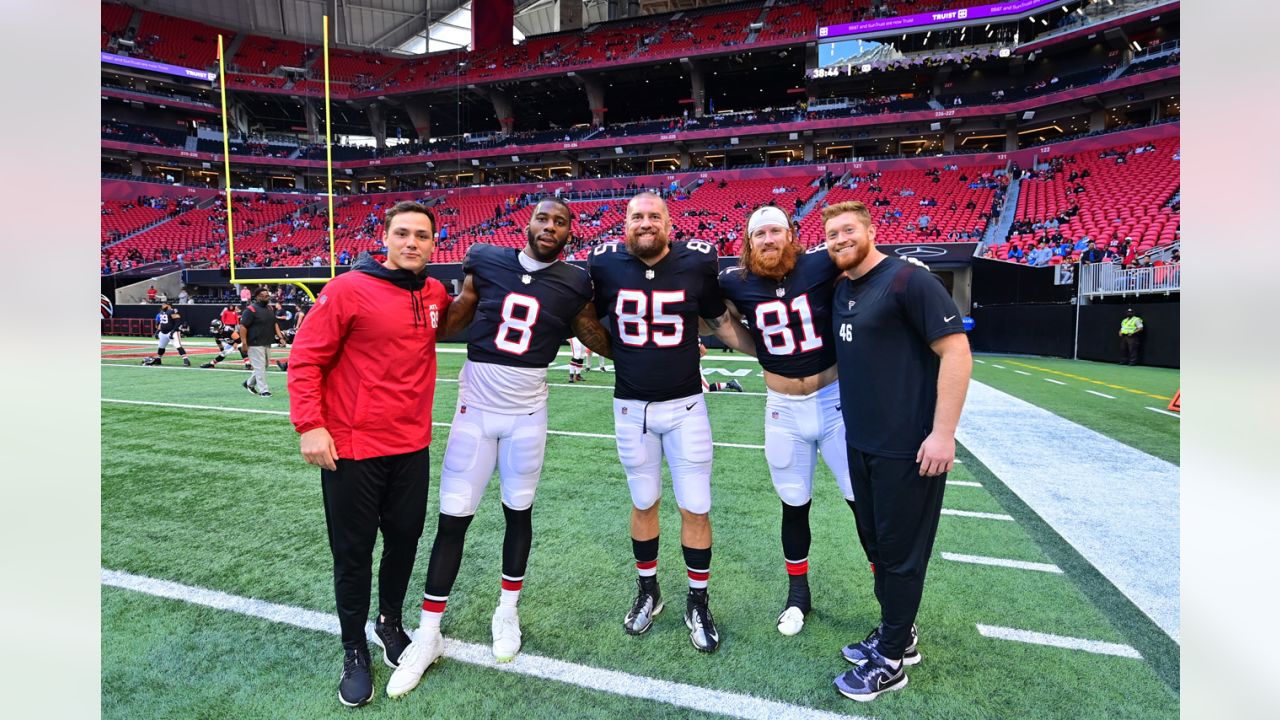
(948, 319)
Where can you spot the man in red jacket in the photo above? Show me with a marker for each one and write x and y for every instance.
(362, 378)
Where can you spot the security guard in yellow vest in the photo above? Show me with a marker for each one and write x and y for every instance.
(1131, 336)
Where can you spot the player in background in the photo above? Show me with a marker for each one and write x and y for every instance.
(655, 292)
(784, 296)
(169, 327)
(226, 339)
(732, 385)
(578, 353)
(524, 304)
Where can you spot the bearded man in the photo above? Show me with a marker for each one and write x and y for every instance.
(783, 294)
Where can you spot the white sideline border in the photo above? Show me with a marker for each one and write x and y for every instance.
(1059, 641)
(1165, 412)
(184, 406)
(614, 682)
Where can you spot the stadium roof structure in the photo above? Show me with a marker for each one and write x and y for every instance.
(405, 26)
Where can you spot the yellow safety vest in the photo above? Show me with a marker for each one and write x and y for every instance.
(1129, 326)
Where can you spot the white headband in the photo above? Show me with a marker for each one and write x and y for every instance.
(767, 215)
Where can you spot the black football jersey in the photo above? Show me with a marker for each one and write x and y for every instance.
(654, 314)
(167, 321)
(789, 320)
(523, 316)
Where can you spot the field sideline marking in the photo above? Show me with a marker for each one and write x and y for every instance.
(1164, 412)
(566, 433)
(1060, 641)
(614, 682)
(1095, 392)
(997, 366)
(1022, 372)
(974, 514)
(964, 483)
(274, 370)
(1001, 562)
(1088, 380)
(1055, 382)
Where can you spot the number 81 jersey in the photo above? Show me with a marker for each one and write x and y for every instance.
(789, 319)
(522, 316)
(654, 311)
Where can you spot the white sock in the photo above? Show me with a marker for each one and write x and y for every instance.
(895, 664)
(509, 598)
(429, 621)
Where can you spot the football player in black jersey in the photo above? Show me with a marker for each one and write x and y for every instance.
(525, 303)
(655, 292)
(169, 327)
(784, 295)
(227, 341)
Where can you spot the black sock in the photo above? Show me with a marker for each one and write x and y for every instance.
(795, 532)
(698, 564)
(446, 554)
(646, 552)
(516, 541)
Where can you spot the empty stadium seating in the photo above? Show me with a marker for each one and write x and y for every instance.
(181, 42)
(1129, 199)
(721, 215)
(115, 18)
(263, 55)
(121, 217)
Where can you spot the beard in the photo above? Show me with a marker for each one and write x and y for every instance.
(535, 249)
(646, 249)
(774, 265)
(850, 257)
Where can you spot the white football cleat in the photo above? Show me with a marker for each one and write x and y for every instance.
(426, 648)
(791, 621)
(506, 634)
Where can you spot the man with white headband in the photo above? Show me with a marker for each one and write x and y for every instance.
(784, 294)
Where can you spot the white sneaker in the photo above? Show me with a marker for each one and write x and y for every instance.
(506, 634)
(426, 648)
(791, 621)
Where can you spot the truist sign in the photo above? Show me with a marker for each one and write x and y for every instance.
(160, 67)
(920, 20)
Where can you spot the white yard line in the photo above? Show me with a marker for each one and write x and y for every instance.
(707, 700)
(1001, 562)
(974, 514)
(1116, 505)
(963, 483)
(1055, 382)
(1059, 641)
(980, 362)
(1165, 412)
(1022, 372)
(997, 366)
(1104, 395)
(565, 433)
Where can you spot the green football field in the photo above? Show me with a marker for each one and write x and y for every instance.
(218, 585)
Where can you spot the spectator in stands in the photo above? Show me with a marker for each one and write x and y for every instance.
(151, 294)
(184, 297)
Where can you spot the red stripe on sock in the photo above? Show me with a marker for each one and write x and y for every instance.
(435, 606)
(701, 576)
(646, 564)
(800, 568)
(873, 568)
(512, 584)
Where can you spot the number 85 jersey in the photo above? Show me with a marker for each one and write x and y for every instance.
(789, 319)
(654, 311)
(522, 315)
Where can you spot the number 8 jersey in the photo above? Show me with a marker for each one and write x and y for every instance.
(789, 319)
(654, 312)
(523, 315)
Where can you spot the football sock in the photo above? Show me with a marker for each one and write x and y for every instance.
(795, 533)
(159, 352)
(646, 552)
(182, 351)
(515, 553)
(442, 569)
(698, 564)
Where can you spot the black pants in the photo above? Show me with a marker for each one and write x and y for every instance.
(1131, 345)
(360, 497)
(897, 512)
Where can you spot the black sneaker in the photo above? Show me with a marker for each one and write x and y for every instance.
(265, 393)
(207, 365)
(868, 681)
(393, 640)
(249, 387)
(186, 361)
(355, 687)
(284, 366)
(647, 606)
(733, 385)
(702, 627)
(858, 653)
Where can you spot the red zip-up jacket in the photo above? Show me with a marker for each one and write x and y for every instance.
(364, 364)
